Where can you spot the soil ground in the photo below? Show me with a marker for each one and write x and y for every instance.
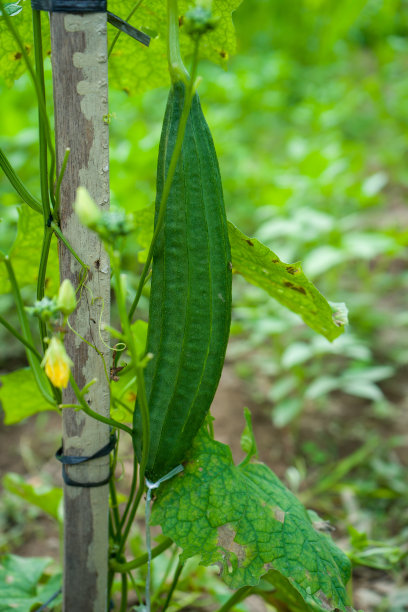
(29, 448)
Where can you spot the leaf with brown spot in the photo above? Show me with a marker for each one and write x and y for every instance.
(147, 68)
(12, 64)
(286, 283)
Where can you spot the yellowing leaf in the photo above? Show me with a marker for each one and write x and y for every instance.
(286, 283)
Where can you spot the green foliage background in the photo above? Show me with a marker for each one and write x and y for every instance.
(310, 126)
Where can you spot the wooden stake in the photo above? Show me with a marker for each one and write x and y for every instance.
(80, 80)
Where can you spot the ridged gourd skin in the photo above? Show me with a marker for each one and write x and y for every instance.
(190, 299)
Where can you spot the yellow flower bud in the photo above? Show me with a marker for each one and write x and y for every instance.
(86, 209)
(57, 364)
(66, 301)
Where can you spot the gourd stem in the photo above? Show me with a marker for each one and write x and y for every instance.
(178, 71)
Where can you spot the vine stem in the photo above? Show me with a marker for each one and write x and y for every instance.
(95, 415)
(42, 128)
(142, 560)
(39, 375)
(115, 511)
(20, 338)
(42, 271)
(22, 191)
(175, 580)
(59, 181)
(165, 574)
(45, 181)
(131, 495)
(141, 392)
(124, 590)
(55, 227)
(235, 598)
(177, 72)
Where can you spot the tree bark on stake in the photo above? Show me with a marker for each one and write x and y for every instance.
(80, 81)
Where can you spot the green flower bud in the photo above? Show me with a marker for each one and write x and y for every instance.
(66, 300)
(45, 309)
(86, 209)
(199, 20)
(114, 224)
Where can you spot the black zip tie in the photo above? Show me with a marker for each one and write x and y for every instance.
(73, 460)
(125, 27)
(44, 606)
(70, 6)
(90, 6)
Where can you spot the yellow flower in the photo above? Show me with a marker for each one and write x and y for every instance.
(57, 364)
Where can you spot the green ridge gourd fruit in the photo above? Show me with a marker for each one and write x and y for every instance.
(190, 300)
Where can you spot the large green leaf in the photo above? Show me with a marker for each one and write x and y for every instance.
(243, 519)
(20, 397)
(25, 254)
(20, 587)
(136, 68)
(133, 67)
(286, 283)
(48, 499)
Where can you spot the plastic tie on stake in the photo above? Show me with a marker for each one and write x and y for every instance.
(73, 460)
(150, 487)
(70, 6)
(125, 27)
(90, 6)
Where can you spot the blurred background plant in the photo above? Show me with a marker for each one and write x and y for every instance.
(310, 124)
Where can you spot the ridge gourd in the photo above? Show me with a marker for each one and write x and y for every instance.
(190, 299)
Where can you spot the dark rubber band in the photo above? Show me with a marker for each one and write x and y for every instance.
(73, 460)
(70, 6)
